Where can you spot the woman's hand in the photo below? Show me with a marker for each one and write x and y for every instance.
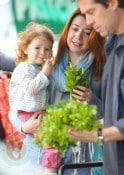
(85, 136)
(31, 126)
(81, 93)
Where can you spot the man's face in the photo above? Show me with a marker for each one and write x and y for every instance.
(103, 19)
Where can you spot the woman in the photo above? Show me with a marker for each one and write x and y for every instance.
(75, 43)
(83, 47)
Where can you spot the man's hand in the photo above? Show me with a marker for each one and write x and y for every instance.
(85, 136)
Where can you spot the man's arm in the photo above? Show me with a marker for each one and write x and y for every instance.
(112, 134)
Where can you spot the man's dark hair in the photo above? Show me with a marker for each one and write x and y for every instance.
(105, 3)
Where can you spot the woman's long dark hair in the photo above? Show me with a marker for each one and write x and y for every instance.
(96, 45)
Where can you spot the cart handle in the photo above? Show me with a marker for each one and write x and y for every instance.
(79, 165)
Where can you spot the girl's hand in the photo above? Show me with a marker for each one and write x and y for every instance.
(81, 93)
(47, 67)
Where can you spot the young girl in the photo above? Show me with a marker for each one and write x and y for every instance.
(28, 85)
(29, 81)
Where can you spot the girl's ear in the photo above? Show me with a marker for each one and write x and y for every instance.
(25, 50)
(51, 55)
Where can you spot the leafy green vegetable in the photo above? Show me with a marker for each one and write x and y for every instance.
(54, 126)
(83, 116)
(75, 77)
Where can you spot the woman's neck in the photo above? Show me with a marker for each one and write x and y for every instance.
(74, 58)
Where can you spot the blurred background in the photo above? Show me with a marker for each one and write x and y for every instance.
(15, 14)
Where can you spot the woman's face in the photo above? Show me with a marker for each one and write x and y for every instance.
(78, 34)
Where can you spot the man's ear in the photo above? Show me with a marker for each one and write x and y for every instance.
(113, 4)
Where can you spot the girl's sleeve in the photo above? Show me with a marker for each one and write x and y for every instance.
(31, 82)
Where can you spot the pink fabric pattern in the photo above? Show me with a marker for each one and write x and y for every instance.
(51, 158)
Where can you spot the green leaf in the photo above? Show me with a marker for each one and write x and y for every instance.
(75, 77)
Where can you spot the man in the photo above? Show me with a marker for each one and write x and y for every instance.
(107, 18)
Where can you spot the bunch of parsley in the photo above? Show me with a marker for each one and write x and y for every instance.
(54, 126)
(75, 77)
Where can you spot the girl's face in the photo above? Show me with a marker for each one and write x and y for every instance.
(78, 35)
(39, 50)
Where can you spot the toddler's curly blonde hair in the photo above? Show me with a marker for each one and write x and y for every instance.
(32, 31)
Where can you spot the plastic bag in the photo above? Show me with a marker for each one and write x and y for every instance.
(14, 139)
(2, 135)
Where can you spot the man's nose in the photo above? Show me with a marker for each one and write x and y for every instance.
(89, 20)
